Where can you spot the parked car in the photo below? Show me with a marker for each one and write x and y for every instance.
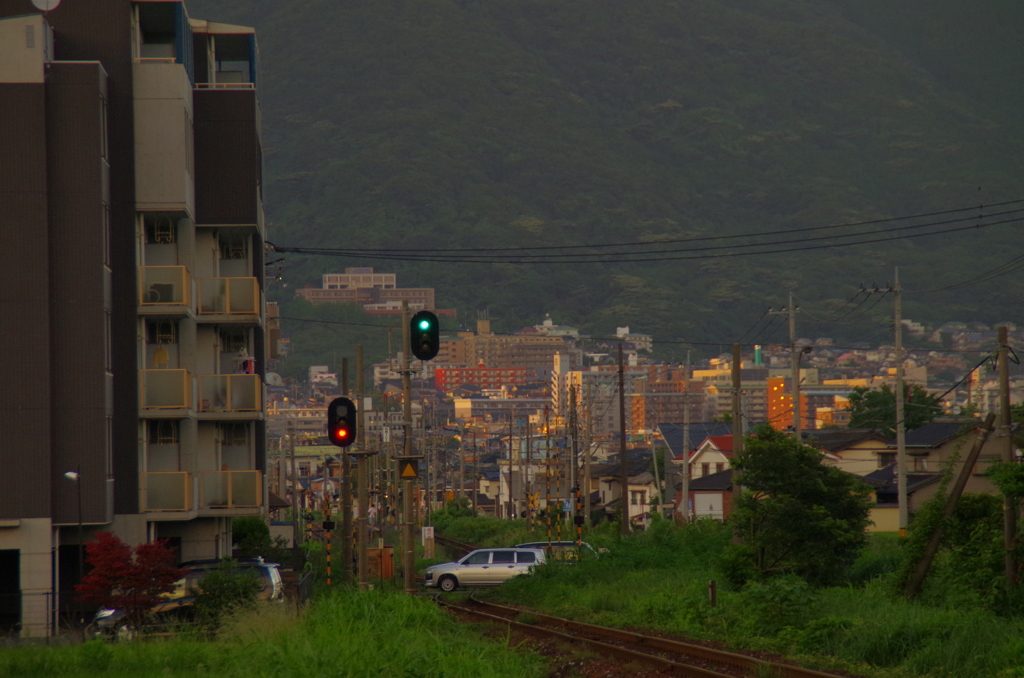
(177, 605)
(562, 550)
(269, 575)
(483, 567)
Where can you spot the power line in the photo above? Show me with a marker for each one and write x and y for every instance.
(700, 239)
(664, 255)
(1012, 265)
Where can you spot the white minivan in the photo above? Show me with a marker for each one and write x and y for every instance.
(483, 567)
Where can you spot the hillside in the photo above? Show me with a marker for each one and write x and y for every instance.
(436, 123)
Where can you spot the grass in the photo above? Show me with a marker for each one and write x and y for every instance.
(658, 580)
(346, 634)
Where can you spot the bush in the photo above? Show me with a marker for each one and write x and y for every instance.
(252, 537)
(224, 590)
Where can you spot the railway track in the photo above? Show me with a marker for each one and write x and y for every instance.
(665, 655)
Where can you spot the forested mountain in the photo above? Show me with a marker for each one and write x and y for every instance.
(504, 123)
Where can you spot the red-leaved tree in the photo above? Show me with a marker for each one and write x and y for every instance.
(126, 578)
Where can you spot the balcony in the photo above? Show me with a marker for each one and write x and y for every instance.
(229, 296)
(165, 389)
(230, 393)
(167, 491)
(231, 489)
(164, 286)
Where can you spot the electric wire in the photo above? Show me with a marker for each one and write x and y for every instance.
(756, 322)
(664, 255)
(1010, 266)
(706, 238)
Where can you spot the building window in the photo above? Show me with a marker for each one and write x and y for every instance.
(719, 467)
(233, 247)
(705, 469)
(235, 433)
(159, 230)
(163, 432)
(886, 458)
(921, 464)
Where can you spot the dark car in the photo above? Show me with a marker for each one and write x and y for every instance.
(177, 605)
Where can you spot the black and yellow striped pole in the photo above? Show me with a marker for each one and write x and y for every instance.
(328, 528)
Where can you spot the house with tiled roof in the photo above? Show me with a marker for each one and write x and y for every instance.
(712, 456)
(859, 451)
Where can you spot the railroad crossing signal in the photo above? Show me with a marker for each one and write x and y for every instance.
(341, 422)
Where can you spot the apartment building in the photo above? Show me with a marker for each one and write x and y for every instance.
(375, 292)
(130, 189)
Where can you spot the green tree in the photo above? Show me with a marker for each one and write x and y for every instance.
(796, 515)
(226, 588)
(876, 408)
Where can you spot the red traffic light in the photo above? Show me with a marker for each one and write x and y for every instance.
(341, 422)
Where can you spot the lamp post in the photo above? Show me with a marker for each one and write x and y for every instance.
(76, 476)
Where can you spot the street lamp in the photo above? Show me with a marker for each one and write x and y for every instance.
(76, 476)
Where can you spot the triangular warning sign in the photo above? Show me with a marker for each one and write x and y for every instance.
(409, 469)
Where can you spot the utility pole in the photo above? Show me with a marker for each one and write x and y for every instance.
(685, 502)
(511, 452)
(362, 459)
(587, 439)
(794, 363)
(296, 504)
(346, 490)
(409, 562)
(900, 395)
(737, 414)
(622, 446)
(1010, 504)
(901, 425)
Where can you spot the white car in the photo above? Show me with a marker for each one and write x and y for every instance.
(483, 567)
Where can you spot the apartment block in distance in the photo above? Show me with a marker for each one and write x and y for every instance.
(132, 222)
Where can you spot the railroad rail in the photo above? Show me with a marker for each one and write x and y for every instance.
(679, 657)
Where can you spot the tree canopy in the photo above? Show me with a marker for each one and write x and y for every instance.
(876, 408)
(132, 579)
(796, 515)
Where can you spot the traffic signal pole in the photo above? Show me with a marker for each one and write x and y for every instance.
(409, 561)
(362, 459)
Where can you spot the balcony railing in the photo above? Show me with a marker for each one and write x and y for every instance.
(165, 389)
(166, 491)
(163, 286)
(230, 393)
(231, 489)
(229, 296)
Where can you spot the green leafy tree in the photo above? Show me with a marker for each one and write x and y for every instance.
(252, 537)
(876, 408)
(226, 588)
(796, 515)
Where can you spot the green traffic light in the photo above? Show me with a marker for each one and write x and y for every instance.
(424, 324)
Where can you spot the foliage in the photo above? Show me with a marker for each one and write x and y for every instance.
(627, 122)
(876, 408)
(347, 633)
(132, 579)
(225, 589)
(969, 567)
(459, 507)
(1008, 477)
(252, 537)
(795, 515)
